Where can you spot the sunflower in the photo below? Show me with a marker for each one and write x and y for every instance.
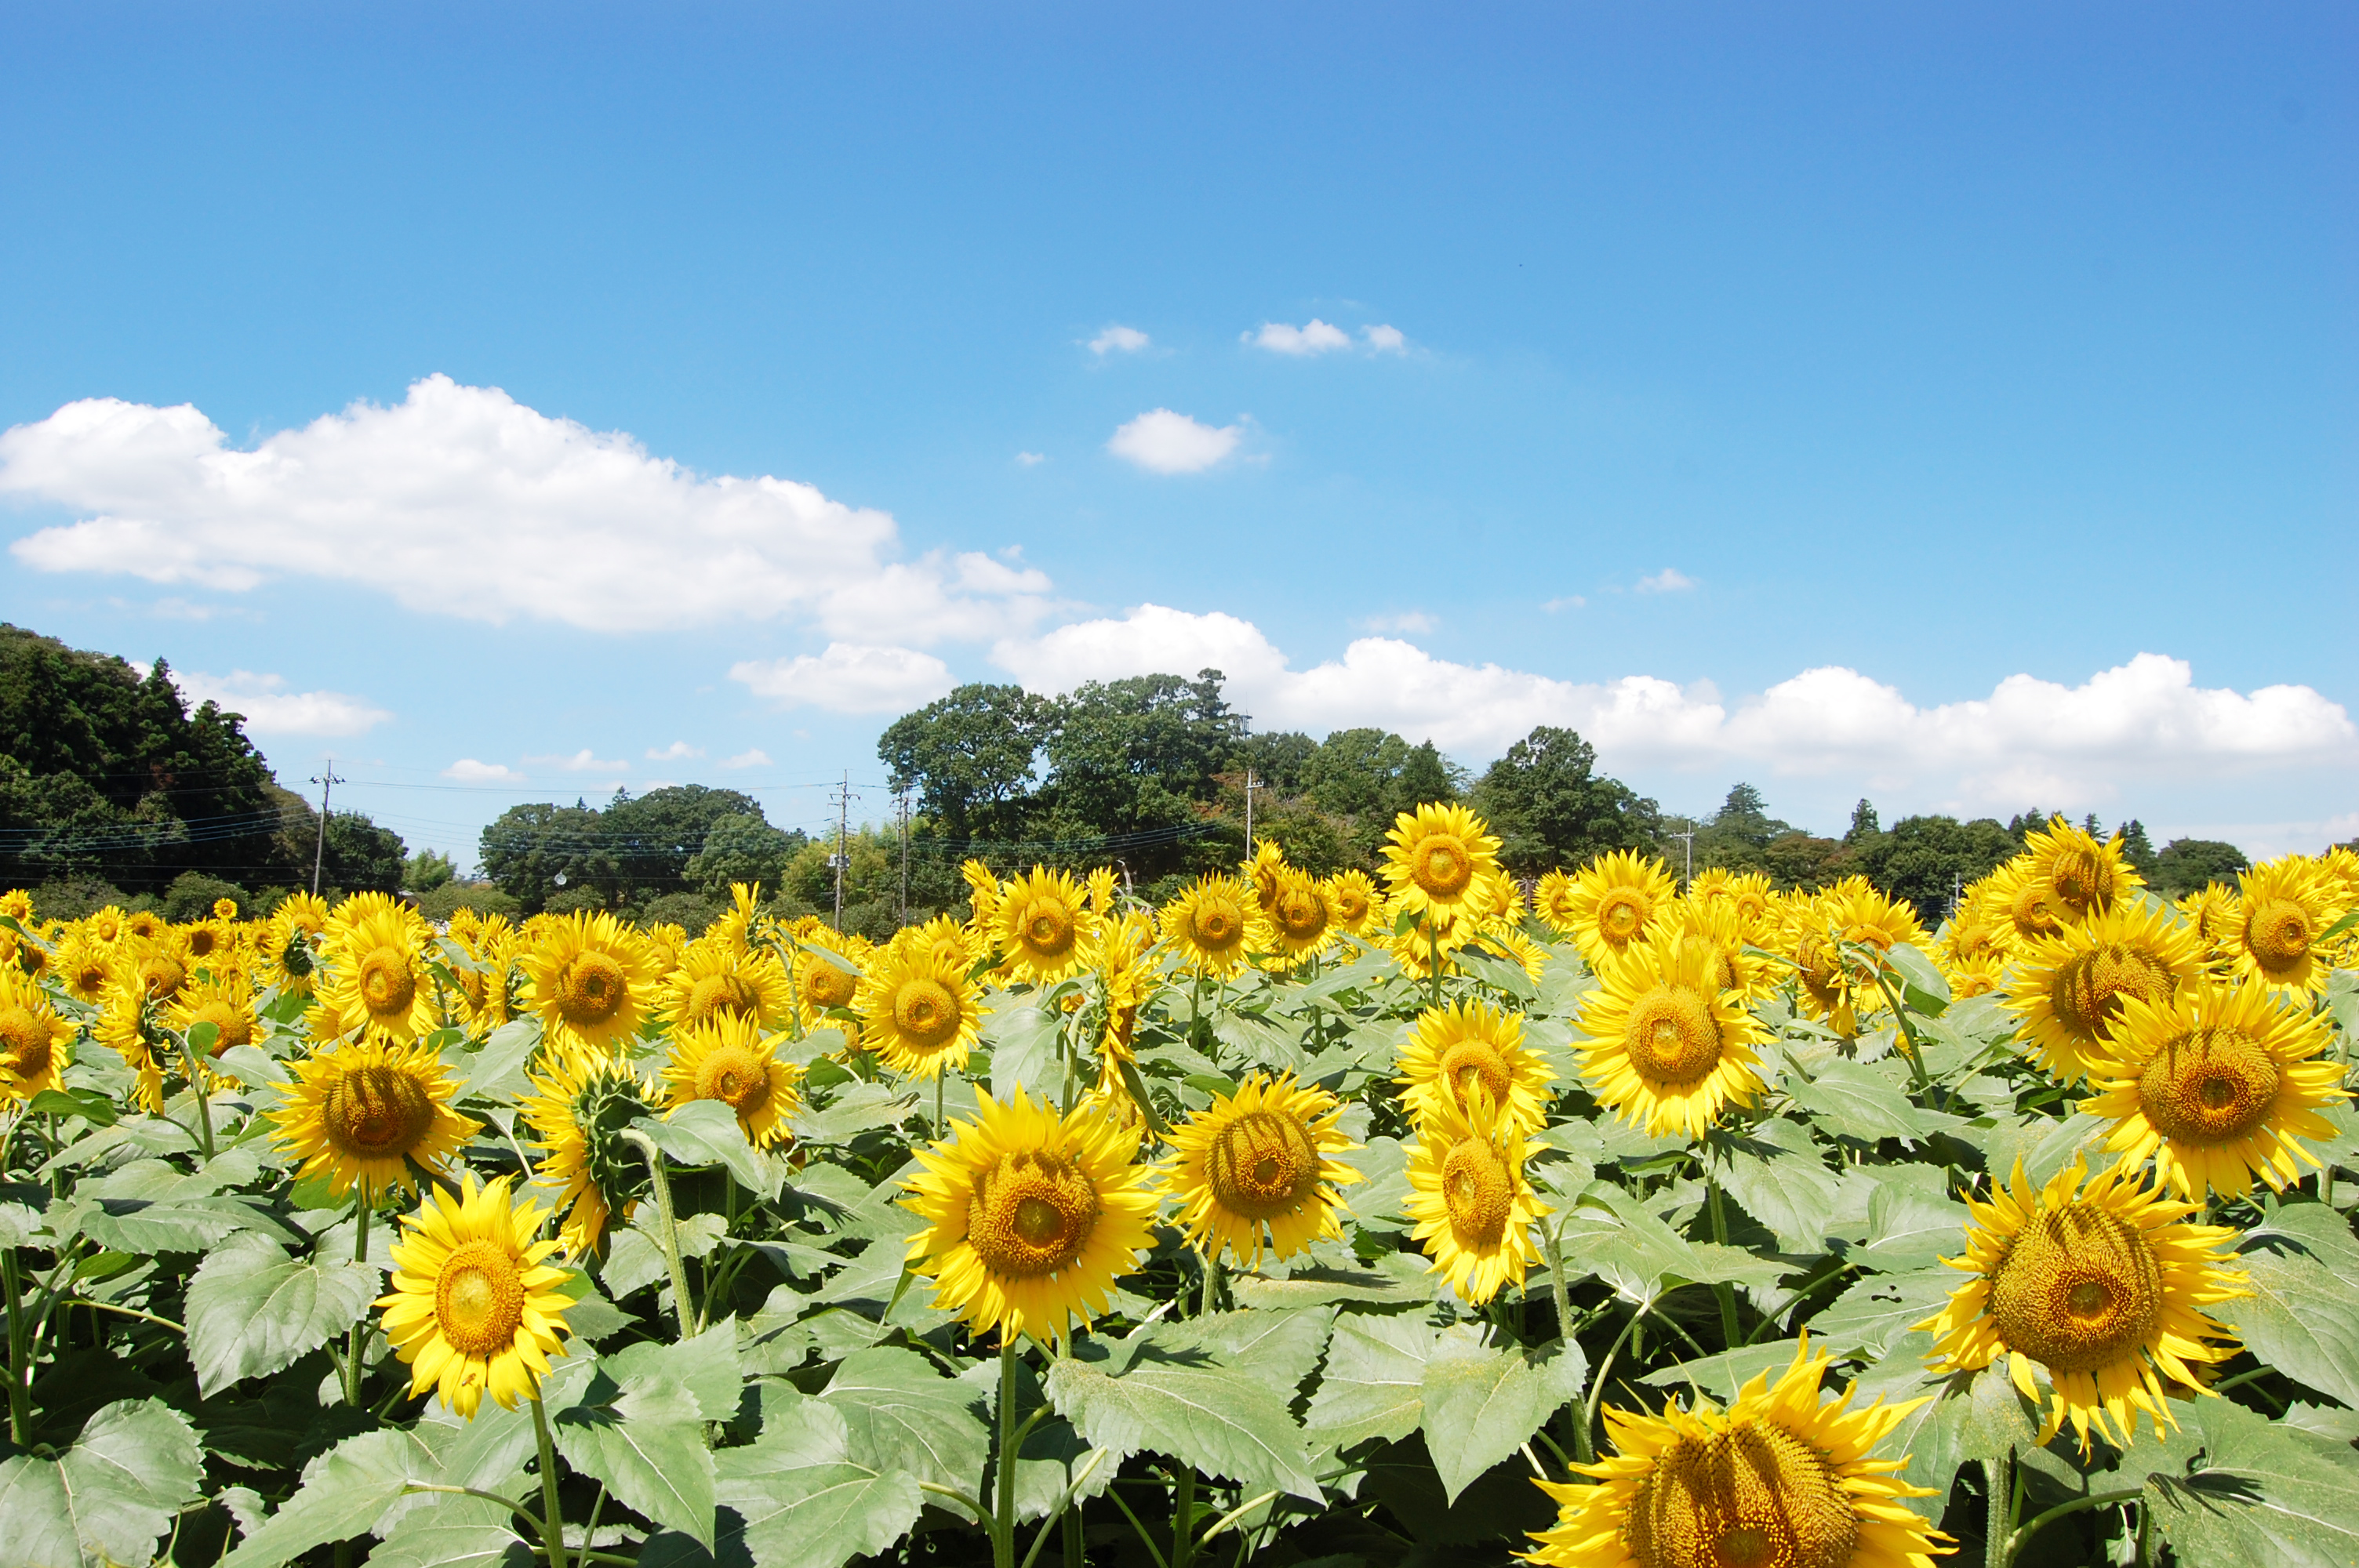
(2067, 987)
(1127, 978)
(105, 924)
(1469, 1047)
(827, 971)
(1264, 869)
(2218, 917)
(1781, 1477)
(713, 977)
(1974, 977)
(1527, 953)
(1351, 900)
(289, 942)
(208, 942)
(918, 1010)
(579, 1105)
(983, 896)
(1301, 927)
(125, 1028)
(82, 965)
(2023, 902)
(145, 924)
(485, 993)
(1823, 983)
(1552, 901)
(1430, 939)
(1261, 1158)
(1474, 1208)
(2100, 1281)
(2214, 1085)
(739, 927)
(1617, 899)
(728, 1058)
(1214, 925)
(225, 1002)
(1045, 929)
(1029, 1216)
(1436, 855)
(34, 1040)
(591, 980)
(474, 1305)
(1973, 932)
(1719, 926)
(2084, 874)
(16, 904)
(376, 978)
(155, 969)
(1670, 1048)
(371, 1113)
(2289, 903)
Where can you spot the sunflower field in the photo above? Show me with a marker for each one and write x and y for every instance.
(1428, 1219)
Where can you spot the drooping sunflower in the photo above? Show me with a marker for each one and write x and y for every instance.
(2217, 1085)
(983, 896)
(34, 1041)
(1215, 926)
(1045, 929)
(486, 990)
(376, 976)
(1552, 901)
(1617, 900)
(289, 942)
(728, 1058)
(2217, 916)
(714, 977)
(1030, 1217)
(371, 1114)
(474, 1306)
(581, 1103)
(919, 1012)
(1436, 855)
(1261, 1158)
(127, 1027)
(2098, 1281)
(1781, 1478)
(1719, 926)
(2069, 987)
(591, 980)
(1670, 1048)
(1351, 898)
(1466, 1048)
(1100, 887)
(1472, 1205)
(827, 969)
(1263, 868)
(1301, 927)
(2288, 903)
(1126, 979)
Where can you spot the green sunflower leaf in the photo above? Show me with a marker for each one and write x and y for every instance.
(110, 1497)
(252, 1309)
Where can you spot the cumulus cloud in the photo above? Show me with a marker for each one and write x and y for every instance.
(679, 751)
(1384, 339)
(1314, 337)
(460, 501)
(849, 677)
(752, 757)
(1671, 580)
(467, 770)
(1414, 621)
(1118, 339)
(271, 709)
(2029, 741)
(1164, 443)
(582, 761)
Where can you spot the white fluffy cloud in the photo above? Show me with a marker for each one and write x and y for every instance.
(1411, 621)
(460, 501)
(1118, 339)
(1671, 580)
(678, 752)
(271, 709)
(849, 677)
(752, 757)
(1313, 337)
(1384, 339)
(583, 762)
(1163, 442)
(2029, 741)
(467, 769)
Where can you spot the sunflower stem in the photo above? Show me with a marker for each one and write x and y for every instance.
(204, 1104)
(1727, 1296)
(1003, 1491)
(359, 1333)
(668, 1234)
(20, 1395)
(552, 1517)
(2017, 1538)
(1557, 1287)
(1433, 959)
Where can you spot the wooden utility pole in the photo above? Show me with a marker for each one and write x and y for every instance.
(901, 805)
(327, 782)
(843, 856)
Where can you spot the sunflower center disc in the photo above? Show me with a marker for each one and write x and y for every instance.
(1753, 1497)
(2277, 932)
(721, 993)
(89, 978)
(1817, 958)
(162, 977)
(1620, 916)
(2079, 1289)
(735, 1076)
(925, 1013)
(202, 941)
(2088, 986)
(1261, 1164)
(1470, 1065)
(1033, 1213)
(2209, 1086)
(1301, 915)
(2079, 878)
(1218, 926)
(387, 984)
(479, 1299)
(590, 990)
(2031, 915)
(1672, 1038)
(1350, 907)
(1480, 1191)
(1048, 931)
(25, 1042)
(829, 986)
(1443, 868)
(376, 1112)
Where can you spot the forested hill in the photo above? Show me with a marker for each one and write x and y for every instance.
(106, 778)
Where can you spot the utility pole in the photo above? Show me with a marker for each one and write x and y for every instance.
(327, 782)
(1690, 837)
(843, 856)
(902, 804)
(1249, 789)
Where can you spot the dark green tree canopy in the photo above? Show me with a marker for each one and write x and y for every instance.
(637, 849)
(2183, 865)
(1552, 807)
(972, 757)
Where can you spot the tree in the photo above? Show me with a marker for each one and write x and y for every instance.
(529, 849)
(360, 855)
(428, 870)
(1864, 824)
(2186, 864)
(971, 756)
(653, 838)
(742, 847)
(2138, 848)
(1926, 859)
(1551, 809)
(1133, 760)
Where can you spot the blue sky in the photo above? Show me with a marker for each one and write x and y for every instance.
(1968, 357)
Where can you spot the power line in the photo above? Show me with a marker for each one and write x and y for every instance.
(326, 782)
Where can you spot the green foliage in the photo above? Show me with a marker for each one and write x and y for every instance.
(1550, 807)
(635, 850)
(2186, 865)
(426, 871)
